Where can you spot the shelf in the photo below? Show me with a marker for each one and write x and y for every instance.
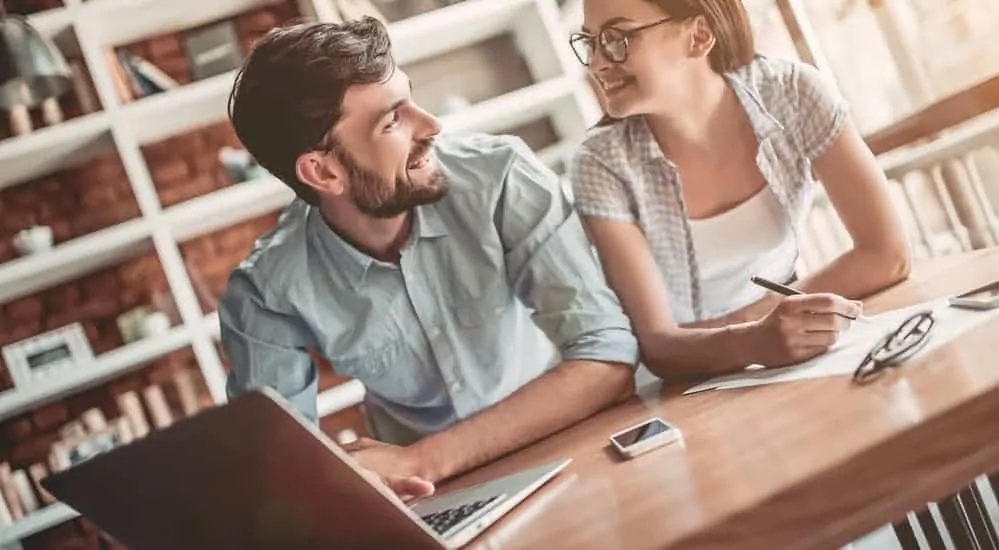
(511, 109)
(72, 259)
(117, 22)
(35, 522)
(52, 148)
(179, 110)
(452, 27)
(210, 325)
(104, 367)
(52, 23)
(227, 207)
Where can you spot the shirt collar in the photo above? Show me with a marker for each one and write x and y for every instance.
(427, 224)
(764, 124)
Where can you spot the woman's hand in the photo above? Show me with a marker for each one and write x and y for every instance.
(799, 328)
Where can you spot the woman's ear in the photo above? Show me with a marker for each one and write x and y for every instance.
(702, 38)
(321, 172)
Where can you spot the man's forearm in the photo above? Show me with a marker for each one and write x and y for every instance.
(572, 391)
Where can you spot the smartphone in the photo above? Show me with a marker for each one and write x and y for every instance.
(644, 437)
(985, 297)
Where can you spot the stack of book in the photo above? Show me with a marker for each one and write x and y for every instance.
(80, 439)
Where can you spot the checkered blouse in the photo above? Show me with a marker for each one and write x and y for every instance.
(620, 173)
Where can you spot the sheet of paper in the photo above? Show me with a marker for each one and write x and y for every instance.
(854, 345)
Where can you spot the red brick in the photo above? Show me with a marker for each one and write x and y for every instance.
(187, 145)
(93, 219)
(22, 330)
(94, 398)
(138, 49)
(98, 308)
(97, 196)
(49, 187)
(125, 210)
(26, 308)
(34, 450)
(164, 46)
(101, 283)
(156, 152)
(61, 231)
(50, 416)
(15, 431)
(205, 162)
(177, 66)
(169, 171)
(170, 196)
(62, 298)
(16, 220)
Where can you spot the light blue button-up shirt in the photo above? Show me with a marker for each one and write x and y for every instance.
(496, 285)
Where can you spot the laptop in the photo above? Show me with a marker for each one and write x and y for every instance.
(253, 474)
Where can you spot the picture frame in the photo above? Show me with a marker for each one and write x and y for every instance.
(40, 357)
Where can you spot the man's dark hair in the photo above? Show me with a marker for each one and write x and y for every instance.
(289, 93)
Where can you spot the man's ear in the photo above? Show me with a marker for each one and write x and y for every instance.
(320, 172)
(702, 38)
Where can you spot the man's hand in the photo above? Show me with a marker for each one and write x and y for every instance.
(397, 467)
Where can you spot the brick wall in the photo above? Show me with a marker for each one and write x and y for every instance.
(95, 301)
(26, 439)
(185, 166)
(210, 258)
(73, 202)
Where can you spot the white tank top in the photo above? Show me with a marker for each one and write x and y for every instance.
(754, 238)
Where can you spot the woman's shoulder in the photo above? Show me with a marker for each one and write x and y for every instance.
(782, 82)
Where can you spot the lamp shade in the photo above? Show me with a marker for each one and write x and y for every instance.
(32, 69)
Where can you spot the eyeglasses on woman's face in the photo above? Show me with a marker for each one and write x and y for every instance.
(612, 41)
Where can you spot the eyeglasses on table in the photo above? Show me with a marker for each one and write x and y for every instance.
(896, 347)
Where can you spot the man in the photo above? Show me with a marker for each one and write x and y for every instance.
(415, 262)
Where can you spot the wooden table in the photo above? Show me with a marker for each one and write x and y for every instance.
(810, 464)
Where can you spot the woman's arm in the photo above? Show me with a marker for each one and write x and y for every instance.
(799, 327)
(857, 188)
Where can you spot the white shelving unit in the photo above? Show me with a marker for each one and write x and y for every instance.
(91, 27)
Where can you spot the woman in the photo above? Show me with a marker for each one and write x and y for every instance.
(699, 176)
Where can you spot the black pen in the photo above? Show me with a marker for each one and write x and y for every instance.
(788, 291)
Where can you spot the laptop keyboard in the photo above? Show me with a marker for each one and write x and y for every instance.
(446, 519)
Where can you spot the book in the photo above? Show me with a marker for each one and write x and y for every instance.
(9, 492)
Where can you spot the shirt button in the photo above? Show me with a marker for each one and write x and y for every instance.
(435, 332)
(455, 385)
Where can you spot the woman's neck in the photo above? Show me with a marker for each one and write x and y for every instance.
(697, 121)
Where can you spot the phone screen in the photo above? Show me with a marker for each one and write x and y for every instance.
(649, 429)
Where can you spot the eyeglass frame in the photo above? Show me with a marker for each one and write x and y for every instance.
(626, 35)
(882, 355)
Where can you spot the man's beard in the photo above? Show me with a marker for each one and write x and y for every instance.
(376, 197)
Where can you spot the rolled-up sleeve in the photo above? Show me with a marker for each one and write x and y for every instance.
(822, 111)
(553, 269)
(265, 348)
(597, 190)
